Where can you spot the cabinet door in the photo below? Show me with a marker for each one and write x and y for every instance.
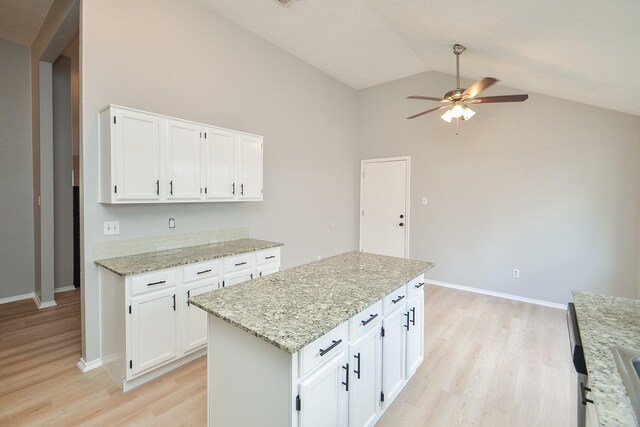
(415, 334)
(136, 156)
(183, 161)
(153, 330)
(393, 354)
(195, 319)
(324, 395)
(265, 270)
(365, 362)
(237, 277)
(220, 175)
(249, 167)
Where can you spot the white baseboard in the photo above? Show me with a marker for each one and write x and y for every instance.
(65, 289)
(88, 366)
(41, 304)
(16, 298)
(498, 294)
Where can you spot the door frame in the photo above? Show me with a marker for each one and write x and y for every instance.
(407, 197)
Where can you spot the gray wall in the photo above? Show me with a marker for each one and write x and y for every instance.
(548, 186)
(62, 173)
(185, 61)
(16, 213)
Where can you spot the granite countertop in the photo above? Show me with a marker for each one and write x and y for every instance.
(292, 308)
(151, 261)
(606, 322)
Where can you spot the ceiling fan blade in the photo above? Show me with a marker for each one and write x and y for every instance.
(428, 98)
(504, 98)
(428, 111)
(483, 84)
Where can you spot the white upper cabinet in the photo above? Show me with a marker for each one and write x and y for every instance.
(249, 148)
(183, 161)
(149, 158)
(219, 152)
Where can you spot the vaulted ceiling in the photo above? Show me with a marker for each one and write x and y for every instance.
(585, 51)
(20, 20)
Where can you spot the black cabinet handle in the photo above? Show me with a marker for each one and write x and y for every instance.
(413, 316)
(346, 384)
(174, 302)
(157, 187)
(188, 296)
(357, 371)
(242, 189)
(583, 394)
(241, 263)
(233, 188)
(156, 283)
(395, 301)
(203, 271)
(269, 257)
(171, 187)
(419, 285)
(407, 324)
(371, 317)
(331, 347)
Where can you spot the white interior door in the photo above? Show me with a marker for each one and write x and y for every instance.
(384, 205)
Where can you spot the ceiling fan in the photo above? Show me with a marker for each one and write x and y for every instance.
(458, 100)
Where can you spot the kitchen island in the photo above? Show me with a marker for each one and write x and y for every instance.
(327, 343)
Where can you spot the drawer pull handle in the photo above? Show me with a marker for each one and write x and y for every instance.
(583, 394)
(419, 285)
(331, 347)
(395, 301)
(371, 317)
(346, 384)
(156, 283)
(204, 271)
(413, 316)
(269, 257)
(407, 324)
(357, 371)
(241, 263)
(188, 296)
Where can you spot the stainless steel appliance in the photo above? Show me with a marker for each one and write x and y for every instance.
(580, 365)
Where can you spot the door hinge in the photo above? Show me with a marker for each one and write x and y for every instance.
(115, 189)
(129, 309)
(298, 403)
(382, 396)
(114, 120)
(382, 331)
(130, 364)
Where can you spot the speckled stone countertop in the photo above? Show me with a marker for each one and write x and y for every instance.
(292, 308)
(606, 322)
(140, 263)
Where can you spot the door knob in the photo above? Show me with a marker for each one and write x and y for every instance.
(401, 224)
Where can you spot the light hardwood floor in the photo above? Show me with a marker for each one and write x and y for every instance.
(488, 362)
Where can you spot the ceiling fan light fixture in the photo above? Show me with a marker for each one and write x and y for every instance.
(467, 112)
(457, 111)
(447, 116)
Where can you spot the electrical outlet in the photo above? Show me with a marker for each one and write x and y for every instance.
(516, 273)
(172, 223)
(111, 227)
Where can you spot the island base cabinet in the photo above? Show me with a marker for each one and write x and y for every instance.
(153, 330)
(415, 333)
(365, 362)
(393, 355)
(323, 395)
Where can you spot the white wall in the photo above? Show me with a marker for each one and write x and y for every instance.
(548, 186)
(180, 59)
(16, 213)
(62, 173)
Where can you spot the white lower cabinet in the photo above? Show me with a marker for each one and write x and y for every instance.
(153, 330)
(393, 354)
(148, 327)
(415, 333)
(325, 395)
(365, 361)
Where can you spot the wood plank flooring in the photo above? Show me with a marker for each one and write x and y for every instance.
(488, 362)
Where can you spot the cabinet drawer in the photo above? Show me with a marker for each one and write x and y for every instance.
(365, 320)
(148, 282)
(323, 349)
(416, 285)
(395, 299)
(268, 256)
(202, 270)
(238, 262)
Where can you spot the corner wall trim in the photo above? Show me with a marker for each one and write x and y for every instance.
(65, 289)
(498, 294)
(41, 304)
(88, 366)
(17, 298)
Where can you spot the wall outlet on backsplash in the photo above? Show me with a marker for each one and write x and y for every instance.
(172, 223)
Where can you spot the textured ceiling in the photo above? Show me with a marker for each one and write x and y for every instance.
(585, 51)
(20, 20)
